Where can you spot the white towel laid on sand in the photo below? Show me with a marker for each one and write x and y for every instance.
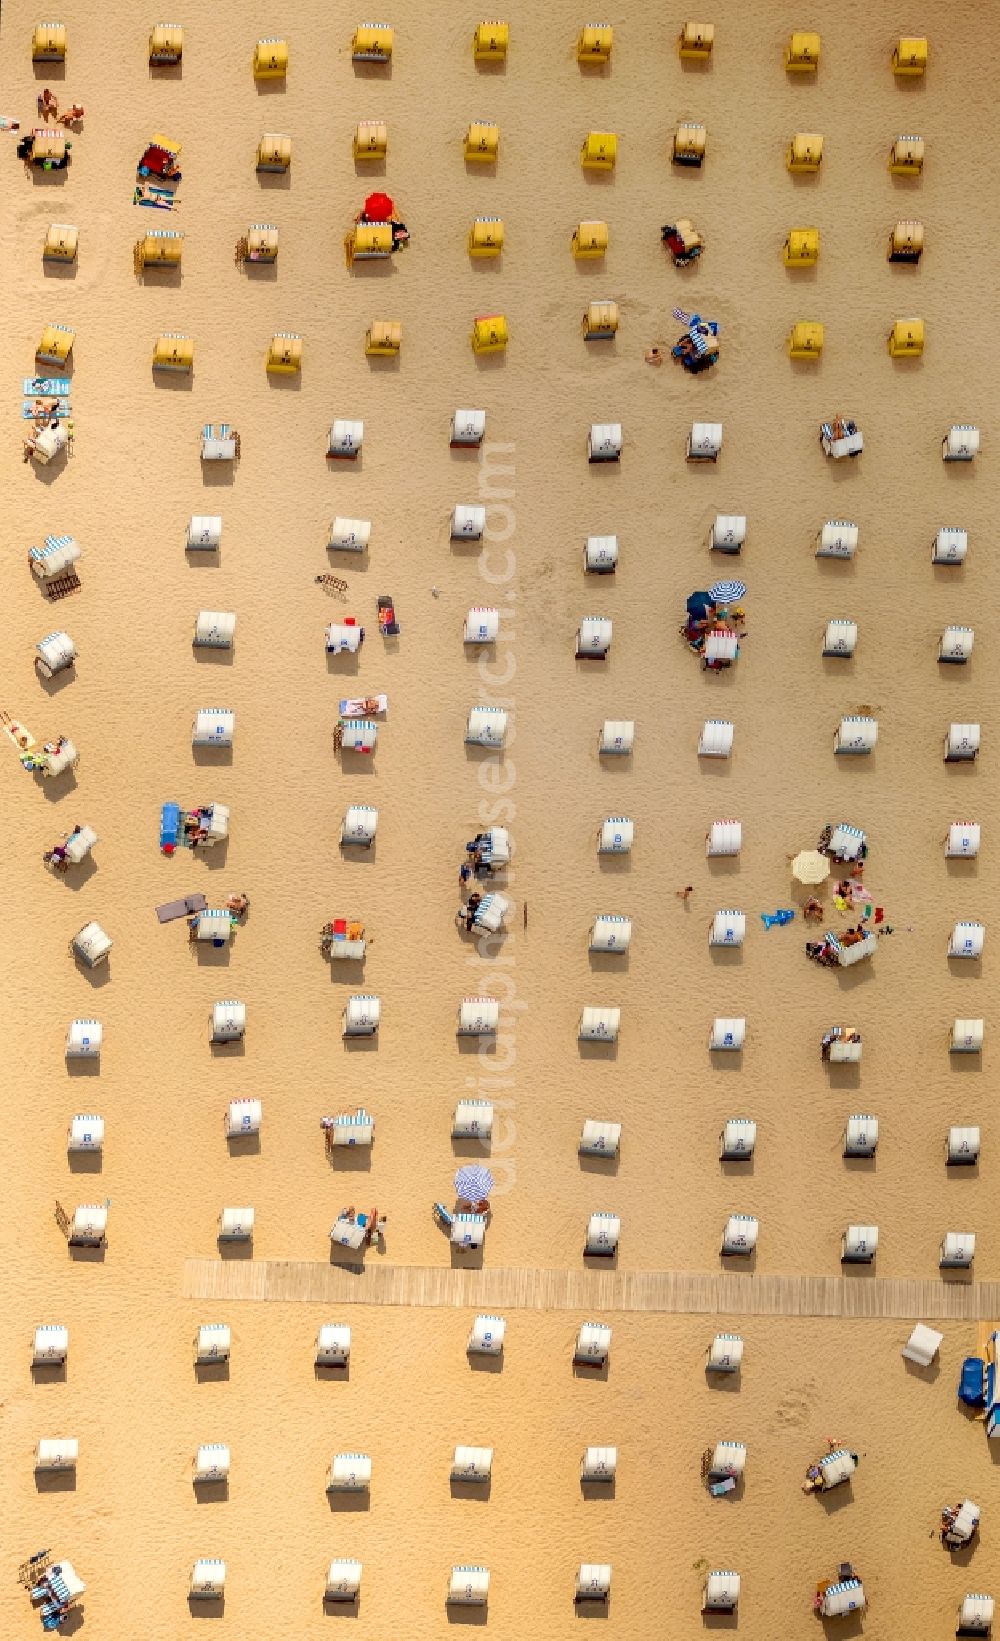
(361, 706)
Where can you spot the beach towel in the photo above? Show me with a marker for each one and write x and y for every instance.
(47, 387)
(21, 737)
(161, 199)
(782, 916)
(361, 705)
(181, 908)
(60, 409)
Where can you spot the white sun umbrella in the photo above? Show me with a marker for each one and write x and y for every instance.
(809, 866)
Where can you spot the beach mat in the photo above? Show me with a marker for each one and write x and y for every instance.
(161, 199)
(16, 732)
(61, 409)
(355, 707)
(47, 387)
(181, 908)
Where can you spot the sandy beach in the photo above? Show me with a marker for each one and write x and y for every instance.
(131, 1523)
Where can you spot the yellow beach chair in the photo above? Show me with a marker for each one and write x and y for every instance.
(270, 60)
(805, 340)
(491, 41)
(801, 248)
(695, 42)
(595, 42)
(482, 142)
(590, 239)
(805, 151)
(284, 356)
(910, 56)
(489, 333)
(384, 337)
(599, 151)
(906, 339)
(486, 237)
(802, 54)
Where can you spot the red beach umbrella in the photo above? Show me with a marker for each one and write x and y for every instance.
(379, 208)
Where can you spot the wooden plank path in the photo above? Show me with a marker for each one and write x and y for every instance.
(670, 1293)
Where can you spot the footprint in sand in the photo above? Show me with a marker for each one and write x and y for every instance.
(796, 1408)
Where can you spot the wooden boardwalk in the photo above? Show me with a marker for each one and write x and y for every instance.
(668, 1293)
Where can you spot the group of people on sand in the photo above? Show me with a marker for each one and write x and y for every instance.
(826, 951)
(370, 1221)
(236, 905)
(379, 208)
(704, 615)
(32, 759)
(45, 418)
(48, 108)
(836, 1034)
(475, 865)
(58, 857)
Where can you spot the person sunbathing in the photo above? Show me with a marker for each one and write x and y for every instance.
(48, 104)
(72, 115)
(469, 910)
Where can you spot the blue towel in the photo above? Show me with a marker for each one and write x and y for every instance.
(782, 916)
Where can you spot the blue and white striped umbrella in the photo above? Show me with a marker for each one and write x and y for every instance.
(473, 1183)
(727, 592)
